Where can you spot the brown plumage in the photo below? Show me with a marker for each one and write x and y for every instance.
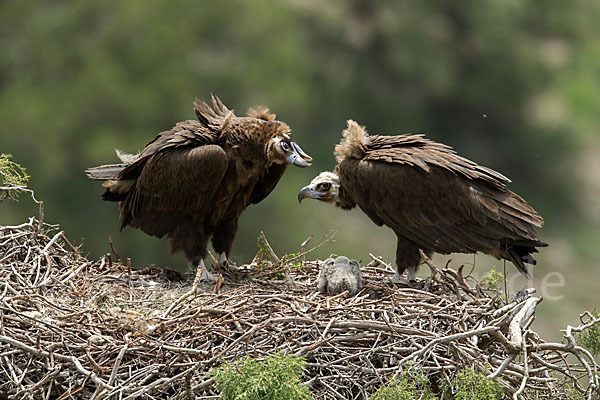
(192, 182)
(432, 198)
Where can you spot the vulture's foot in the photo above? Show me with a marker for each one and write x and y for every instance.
(207, 276)
(398, 279)
(411, 275)
(226, 265)
(420, 284)
(202, 274)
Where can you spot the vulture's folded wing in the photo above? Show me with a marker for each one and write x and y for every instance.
(183, 134)
(208, 129)
(267, 183)
(172, 185)
(418, 151)
(436, 207)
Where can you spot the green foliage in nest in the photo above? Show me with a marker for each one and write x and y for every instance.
(12, 176)
(261, 243)
(294, 261)
(492, 279)
(410, 387)
(590, 338)
(469, 385)
(277, 377)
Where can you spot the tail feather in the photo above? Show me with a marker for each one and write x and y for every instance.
(105, 172)
(113, 196)
(520, 255)
(117, 190)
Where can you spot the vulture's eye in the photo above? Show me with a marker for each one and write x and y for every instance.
(285, 146)
(324, 186)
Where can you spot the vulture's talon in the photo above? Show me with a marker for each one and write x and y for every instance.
(399, 280)
(232, 268)
(206, 276)
(420, 284)
(227, 266)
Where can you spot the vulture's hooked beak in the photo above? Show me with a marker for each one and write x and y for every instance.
(308, 191)
(298, 157)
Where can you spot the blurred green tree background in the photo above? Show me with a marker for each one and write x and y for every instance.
(511, 85)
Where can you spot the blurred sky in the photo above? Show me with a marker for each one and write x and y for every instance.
(511, 85)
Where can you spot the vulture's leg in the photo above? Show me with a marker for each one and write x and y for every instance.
(191, 237)
(407, 259)
(222, 241)
(411, 274)
(224, 261)
(202, 273)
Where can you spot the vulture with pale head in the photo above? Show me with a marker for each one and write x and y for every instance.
(193, 182)
(432, 198)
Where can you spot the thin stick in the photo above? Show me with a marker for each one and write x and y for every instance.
(272, 254)
(113, 375)
(505, 284)
(327, 237)
(112, 248)
(40, 221)
(303, 248)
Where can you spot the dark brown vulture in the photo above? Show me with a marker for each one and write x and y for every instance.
(433, 199)
(192, 182)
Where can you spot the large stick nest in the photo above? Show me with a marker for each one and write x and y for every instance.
(75, 328)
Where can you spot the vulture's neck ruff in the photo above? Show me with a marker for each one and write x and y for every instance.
(353, 144)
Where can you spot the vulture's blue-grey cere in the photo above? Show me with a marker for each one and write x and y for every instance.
(432, 198)
(192, 182)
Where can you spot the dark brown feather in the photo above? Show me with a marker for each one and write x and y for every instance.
(267, 183)
(416, 150)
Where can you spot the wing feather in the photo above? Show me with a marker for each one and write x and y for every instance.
(267, 183)
(437, 208)
(183, 134)
(208, 129)
(174, 184)
(416, 150)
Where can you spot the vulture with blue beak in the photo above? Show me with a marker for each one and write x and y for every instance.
(432, 198)
(193, 182)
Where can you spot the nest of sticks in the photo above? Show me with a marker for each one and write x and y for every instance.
(75, 328)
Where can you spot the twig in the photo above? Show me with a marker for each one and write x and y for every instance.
(40, 221)
(112, 248)
(446, 339)
(380, 261)
(327, 237)
(113, 375)
(265, 242)
(303, 248)
(525, 371)
(514, 329)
